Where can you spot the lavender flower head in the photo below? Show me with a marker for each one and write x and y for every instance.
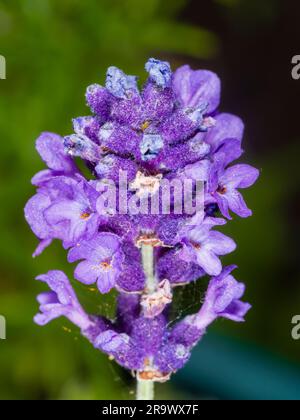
(134, 143)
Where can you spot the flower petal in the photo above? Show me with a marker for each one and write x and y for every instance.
(210, 263)
(41, 247)
(63, 210)
(229, 151)
(223, 205)
(60, 301)
(48, 315)
(195, 87)
(60, 284)
(97, 249)
(86, 272)
(34, 214)
(227, 126)
(219, 243)
(236, 311)
(51, 149)
(47, 297)
(187, 253)
(237, 204)
(106, 280)
(240, 176)
(198, 171)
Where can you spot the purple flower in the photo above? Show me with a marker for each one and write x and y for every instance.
(227, 195)
(34, 214)
(222, 300)
(51, 189)
(226, 127)
(64, 208)
(75, 214)
(60, 301)
(159, 137)
(203, 246)
(198, 171)
(195, 87)
(102, 261)
(51, 149)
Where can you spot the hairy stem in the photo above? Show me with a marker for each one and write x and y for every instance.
(145, 388)
(148, 265)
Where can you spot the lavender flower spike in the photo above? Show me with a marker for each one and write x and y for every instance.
(124, 223)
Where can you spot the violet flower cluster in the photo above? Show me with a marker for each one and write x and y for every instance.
(170, 129)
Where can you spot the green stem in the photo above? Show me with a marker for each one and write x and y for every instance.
(145, 388)
(148, 265)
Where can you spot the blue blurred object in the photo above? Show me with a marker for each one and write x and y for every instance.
(229, 369)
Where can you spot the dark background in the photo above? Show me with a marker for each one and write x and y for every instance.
(54, 49)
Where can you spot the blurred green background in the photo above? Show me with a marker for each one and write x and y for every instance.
(54, 49)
